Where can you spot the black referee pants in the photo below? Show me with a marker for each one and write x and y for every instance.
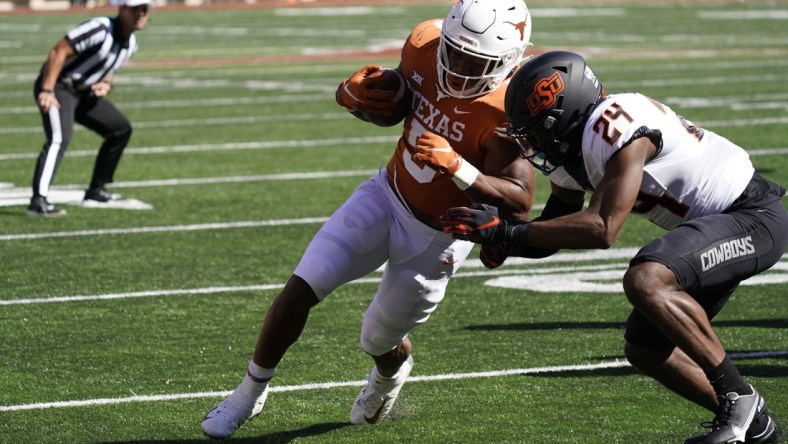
(99, 115)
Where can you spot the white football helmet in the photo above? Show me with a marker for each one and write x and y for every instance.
(494, 33)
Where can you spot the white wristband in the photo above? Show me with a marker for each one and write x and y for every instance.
(465, 176)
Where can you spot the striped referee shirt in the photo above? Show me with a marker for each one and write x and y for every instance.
(99, 52)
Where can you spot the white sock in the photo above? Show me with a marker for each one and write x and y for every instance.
(256, 379)
(259, 374)
(387, 378)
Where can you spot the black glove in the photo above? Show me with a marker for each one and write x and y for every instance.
(493, 255)
(480, 224)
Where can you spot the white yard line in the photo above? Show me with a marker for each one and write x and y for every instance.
(320, 143)
(72, 194)
(142, 294)
(623, 253)
(255, 120)
(213, 121)
(218, 147)
(168, 228)
(165, 229)
(331, 385)
(183, 103)
(607, 265)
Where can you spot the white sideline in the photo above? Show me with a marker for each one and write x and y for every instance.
(330, 385)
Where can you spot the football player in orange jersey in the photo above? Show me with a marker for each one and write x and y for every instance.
(454, 150)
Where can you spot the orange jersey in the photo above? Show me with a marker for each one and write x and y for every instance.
(465, 123)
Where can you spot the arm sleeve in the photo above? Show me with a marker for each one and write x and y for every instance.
(519, 239)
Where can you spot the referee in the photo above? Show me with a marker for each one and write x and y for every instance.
(72, 87)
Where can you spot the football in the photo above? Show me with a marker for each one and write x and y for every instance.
(392, 81)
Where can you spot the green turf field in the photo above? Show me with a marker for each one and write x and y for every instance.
(126, 326)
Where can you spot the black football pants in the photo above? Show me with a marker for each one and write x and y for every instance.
(711, 255)
(99, 115)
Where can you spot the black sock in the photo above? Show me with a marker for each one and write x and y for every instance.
(726, 378)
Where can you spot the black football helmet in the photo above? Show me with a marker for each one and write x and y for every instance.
(548, 102)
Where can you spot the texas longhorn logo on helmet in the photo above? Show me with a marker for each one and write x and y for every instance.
(520, 27)
(545, 93)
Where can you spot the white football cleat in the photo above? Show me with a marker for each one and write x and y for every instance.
(226, 417)
(378, 396)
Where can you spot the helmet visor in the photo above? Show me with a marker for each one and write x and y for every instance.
(465, 73)
(535, 146)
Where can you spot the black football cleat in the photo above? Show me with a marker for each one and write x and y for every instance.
(731, 423)
(100, 195)
(39, 206)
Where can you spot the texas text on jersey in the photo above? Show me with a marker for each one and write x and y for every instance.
(465, 123)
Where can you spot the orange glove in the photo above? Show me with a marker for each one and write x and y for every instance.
(357, 92)
(435, 151)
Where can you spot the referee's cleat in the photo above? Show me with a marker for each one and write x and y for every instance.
(100, 195)
(39, 206)
(378, 396)
(740, 418)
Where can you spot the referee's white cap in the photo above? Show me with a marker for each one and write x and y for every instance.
(133, 3)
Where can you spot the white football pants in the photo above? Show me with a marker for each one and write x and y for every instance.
(373, 227)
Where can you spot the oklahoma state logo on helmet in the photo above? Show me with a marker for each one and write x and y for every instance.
(545, 93)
